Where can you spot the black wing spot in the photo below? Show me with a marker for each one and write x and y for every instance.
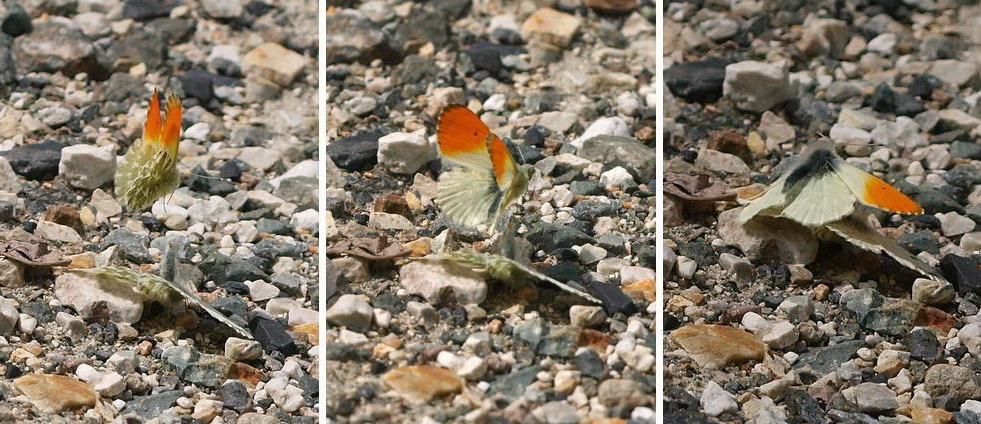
(817, 164)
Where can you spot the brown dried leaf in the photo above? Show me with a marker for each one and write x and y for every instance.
(695, 188)
(33, 253)
(373, 249)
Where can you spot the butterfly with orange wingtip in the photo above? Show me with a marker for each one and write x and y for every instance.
(149, 169)
(822, 191)
(486, 178)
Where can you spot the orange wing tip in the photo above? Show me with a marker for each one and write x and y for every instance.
(461, 131)
(879, 193)
(151, 129)
(501, 159)
(172, 122)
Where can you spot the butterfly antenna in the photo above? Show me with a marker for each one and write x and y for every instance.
(520, 153)
(167, 200)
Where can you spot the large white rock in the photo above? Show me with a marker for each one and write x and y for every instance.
(441, 282)
(86, 166)
(93, 297)
(756, 86)
(405, 153)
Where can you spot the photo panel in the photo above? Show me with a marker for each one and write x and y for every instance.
(822, 199)
(491, 211)
(158, 236)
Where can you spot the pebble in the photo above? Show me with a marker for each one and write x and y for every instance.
(614, 125)
(744, 80)
(871, 397)
(242, 349)
(716, 401)
(954, 224)
(8, 316)
(586, 316)
(389, 221)
(956, 382)
(590, 254)
(955, 72)
(91, 298)
(685, 267)
(405, 153)
(825, 37)
(57, 44)
(443, 281)
(56, 393)
(622, 393)
(971, 242)
(261, 291)
(273, 62)
(741, 268)
(556, 412)
(760, 238)
(422, 383)
(108, 384)
(350, 311)
(549, 26)
(797, 308)
(934, 293)
(617, 177)
(716, 346)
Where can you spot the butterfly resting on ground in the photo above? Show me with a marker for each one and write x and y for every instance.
(149, 169)
(504, 269)
(823, 192)
(159, 290)
(485, 179)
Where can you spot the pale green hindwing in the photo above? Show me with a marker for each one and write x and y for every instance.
(856, 232)
(151, 286)
(146, 174)
(505, 269)
(162, 291)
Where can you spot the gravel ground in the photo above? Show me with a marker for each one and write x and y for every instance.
(75, 80)
(774, 326)
(571, 84)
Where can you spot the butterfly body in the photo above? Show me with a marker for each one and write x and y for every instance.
(485, 179)
(149, 169)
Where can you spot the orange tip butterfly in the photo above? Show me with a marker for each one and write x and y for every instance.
(506, 269)
(823, 188)
(149, 169)
(821, 192)
(485, 179)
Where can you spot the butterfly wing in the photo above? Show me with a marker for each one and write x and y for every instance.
(215, 313)
(161, 290)
(486, 180)
(872, 191)
(171, 131)
(821, 198)
(149, 169)
(152, 126)
(554, 282)
(464, 139)
(468, 196)
(867, 238)
(768, 204)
